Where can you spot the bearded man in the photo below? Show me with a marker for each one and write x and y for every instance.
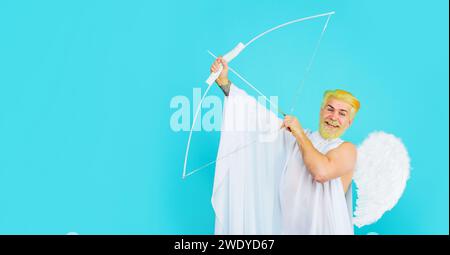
(302, 186)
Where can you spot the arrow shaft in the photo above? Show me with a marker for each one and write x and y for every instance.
(248, 83)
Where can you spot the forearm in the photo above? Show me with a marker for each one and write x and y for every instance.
(317, 163)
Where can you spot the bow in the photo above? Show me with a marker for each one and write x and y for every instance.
(229, 57)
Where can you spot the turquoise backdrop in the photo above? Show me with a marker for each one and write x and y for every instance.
(86, 144)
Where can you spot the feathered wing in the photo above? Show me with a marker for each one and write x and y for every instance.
(382, 170)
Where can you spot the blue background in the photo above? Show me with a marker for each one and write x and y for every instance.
(85, 88)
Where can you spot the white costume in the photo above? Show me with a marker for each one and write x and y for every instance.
(310, 207)
(261, 185)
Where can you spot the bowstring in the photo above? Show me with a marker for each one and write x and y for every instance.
(308, 67)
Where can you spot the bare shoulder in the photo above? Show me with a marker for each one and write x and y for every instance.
(348, 147)
(342, 161)
(346, 150)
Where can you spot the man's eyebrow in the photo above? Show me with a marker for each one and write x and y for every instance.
(329, 105)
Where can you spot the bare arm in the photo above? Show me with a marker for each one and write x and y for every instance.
(324, 167)
(347, 180)
(225, 87)
(338, 162)
(222, 80)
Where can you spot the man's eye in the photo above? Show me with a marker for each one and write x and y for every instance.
(342, 114)
(330, 110)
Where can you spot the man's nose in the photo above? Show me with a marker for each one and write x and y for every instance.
(334, 116)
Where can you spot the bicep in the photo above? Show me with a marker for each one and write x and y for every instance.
(342, 160)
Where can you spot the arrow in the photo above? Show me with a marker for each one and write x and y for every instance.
(233, 54)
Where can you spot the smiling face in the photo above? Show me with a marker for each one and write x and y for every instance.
(335, 118)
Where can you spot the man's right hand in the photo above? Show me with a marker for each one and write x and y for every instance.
(223, 77)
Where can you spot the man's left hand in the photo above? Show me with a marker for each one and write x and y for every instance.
(292, 124)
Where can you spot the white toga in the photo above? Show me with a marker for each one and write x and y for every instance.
(261, 184)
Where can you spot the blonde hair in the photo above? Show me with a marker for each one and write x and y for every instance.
(343, 96)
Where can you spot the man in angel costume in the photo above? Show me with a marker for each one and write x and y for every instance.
(274, 177)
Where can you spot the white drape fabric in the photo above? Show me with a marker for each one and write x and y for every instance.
(261, 185)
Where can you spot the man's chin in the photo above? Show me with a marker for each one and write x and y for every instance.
(330, 135)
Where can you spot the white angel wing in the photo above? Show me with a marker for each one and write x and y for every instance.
(382, 170)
